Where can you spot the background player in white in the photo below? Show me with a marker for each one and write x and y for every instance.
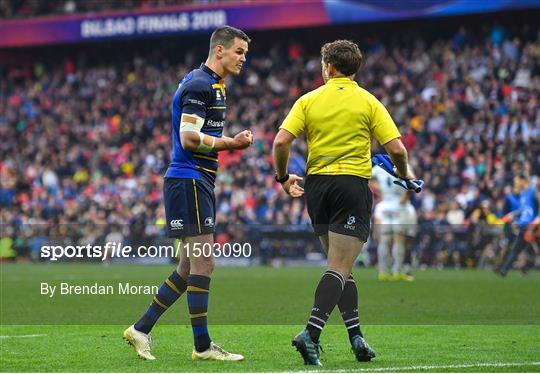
(395, 221)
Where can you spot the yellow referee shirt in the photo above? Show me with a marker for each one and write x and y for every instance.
(339, 119)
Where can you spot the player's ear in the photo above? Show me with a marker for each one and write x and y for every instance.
(218, 51)
(324, 70)
(331, 71)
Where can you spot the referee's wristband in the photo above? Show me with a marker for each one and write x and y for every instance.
(282, 180)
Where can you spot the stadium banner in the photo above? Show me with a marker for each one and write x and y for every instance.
(248, 16)
(162, 22)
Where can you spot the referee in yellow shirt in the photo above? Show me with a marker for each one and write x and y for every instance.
(339, 119)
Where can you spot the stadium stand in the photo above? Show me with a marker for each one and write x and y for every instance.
(88, 142)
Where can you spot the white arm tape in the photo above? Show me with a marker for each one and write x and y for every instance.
(189, 126)
(186, 126)
(202, 146)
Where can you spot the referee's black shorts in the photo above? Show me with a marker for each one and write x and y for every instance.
(339, 203)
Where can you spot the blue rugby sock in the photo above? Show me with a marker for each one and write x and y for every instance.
(198, 287)
(173, 287)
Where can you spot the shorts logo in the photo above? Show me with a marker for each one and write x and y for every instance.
(177, 224)
(351, 223)
(209, 222)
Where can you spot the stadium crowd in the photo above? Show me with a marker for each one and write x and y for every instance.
(85, 147)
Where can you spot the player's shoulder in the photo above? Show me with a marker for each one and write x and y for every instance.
(197, 80)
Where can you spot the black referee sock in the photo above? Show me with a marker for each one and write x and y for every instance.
(348, 306)
(327, 296)
(168, 293)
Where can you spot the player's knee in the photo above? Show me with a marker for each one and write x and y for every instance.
(342, 269)
(385, 239)
(210, 264)
(341, 264)
(183, 268)
(202, 266)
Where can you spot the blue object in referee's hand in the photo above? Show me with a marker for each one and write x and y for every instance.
(387, 165)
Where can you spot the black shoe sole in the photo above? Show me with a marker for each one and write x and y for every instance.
(364, 356)
(301, 347)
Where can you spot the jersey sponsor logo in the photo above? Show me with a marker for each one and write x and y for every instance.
(209, 222)
(177, 224)
(212, 123)
(350, 223)
(196, 102)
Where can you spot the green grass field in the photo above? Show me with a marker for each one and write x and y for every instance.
(444, 321)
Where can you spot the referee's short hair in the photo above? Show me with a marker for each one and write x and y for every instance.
(225, 35)
(344, 55)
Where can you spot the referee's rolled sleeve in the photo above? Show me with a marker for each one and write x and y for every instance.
(382, 125)
(295, 122)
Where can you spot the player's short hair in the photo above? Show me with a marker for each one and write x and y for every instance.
(225, 35)
(344, 55)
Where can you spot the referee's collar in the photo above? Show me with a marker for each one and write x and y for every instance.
(207, 70)
(341, 80)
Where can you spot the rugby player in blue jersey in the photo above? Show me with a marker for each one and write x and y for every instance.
(198, 117)
(521, 218)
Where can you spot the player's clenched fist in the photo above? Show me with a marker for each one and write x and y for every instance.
(243, 139)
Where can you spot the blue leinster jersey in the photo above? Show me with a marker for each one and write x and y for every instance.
(201, 92)
(528, 207)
